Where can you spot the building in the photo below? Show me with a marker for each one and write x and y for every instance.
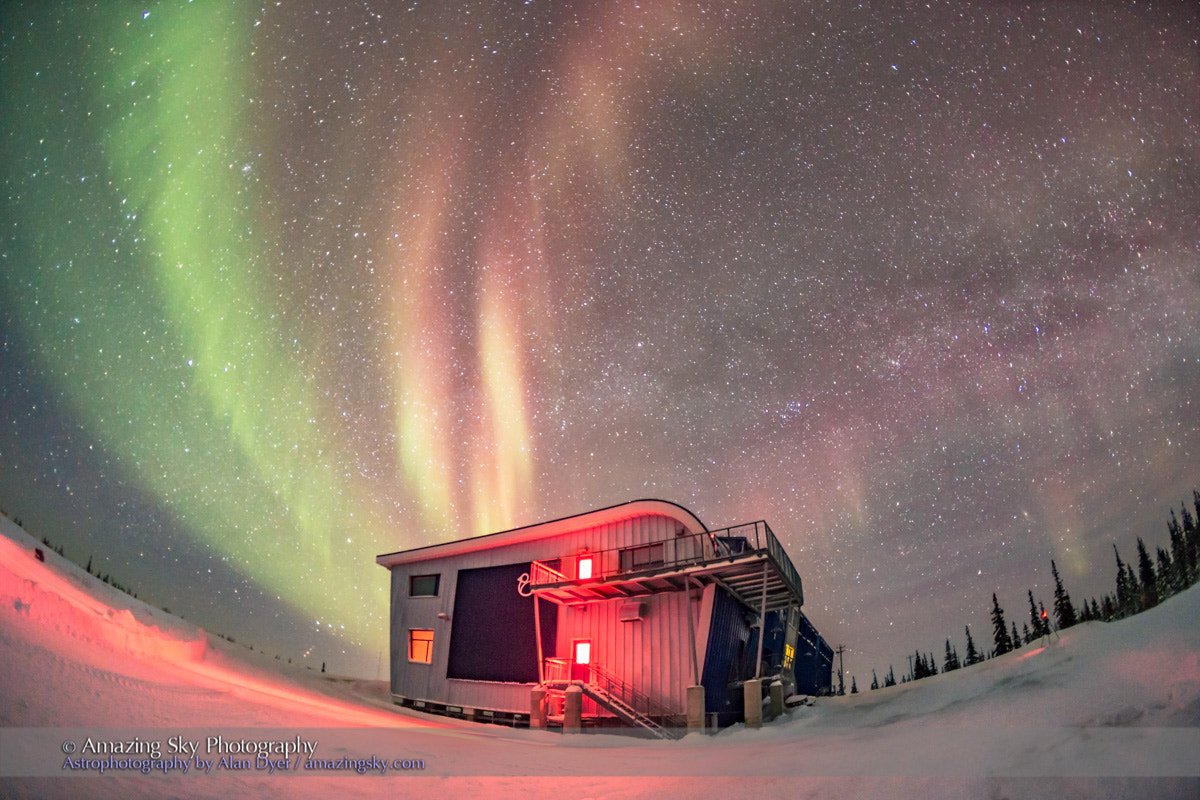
(625, 614)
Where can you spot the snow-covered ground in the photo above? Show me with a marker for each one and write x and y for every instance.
(1104, 711)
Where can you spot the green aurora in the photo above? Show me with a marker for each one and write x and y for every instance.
(171, 341)
(286, 286)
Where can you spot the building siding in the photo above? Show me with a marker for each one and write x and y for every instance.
(653, 652)
(814, 661)
(626, 649)
(728, 638)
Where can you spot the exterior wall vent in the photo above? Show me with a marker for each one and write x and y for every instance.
(632, 612)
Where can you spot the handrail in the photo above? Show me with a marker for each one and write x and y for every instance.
(615, 692)
(698, 549)
(640, 703)
(557, 669)
(541, 573)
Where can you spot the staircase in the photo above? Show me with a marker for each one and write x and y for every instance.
(630, 706)
(627, 713)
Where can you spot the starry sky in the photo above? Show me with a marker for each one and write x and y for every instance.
(286, 286)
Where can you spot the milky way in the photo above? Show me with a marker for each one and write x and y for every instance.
(291, 286)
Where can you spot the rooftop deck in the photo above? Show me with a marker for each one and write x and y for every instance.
(744, 559)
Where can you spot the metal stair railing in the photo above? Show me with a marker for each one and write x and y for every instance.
(631, 704)
(623, 711)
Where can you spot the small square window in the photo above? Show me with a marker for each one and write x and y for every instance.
(420, 646)
(423, 585)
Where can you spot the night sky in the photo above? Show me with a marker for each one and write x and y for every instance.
(286, 287)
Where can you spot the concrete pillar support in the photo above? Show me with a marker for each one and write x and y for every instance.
(537, 707)
(573, 710)
(695, 708)
(752, 697)
(776, 705)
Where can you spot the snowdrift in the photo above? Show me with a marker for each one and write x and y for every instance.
(73, 603)
(1105, 710)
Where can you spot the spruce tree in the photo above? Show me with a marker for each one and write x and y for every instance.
(999, 628)
(920, 670)
(874, 681)
(1166, 575)
(1191, 535)
(890, 680)
(1035, 619)
(853, 685)
(1028, 637)
(1016, 638)
(951, 662)
(1180, 553)
(1064, 610)
(1146, 577)
(1135, 590)
(972, 653)
(1124, 600)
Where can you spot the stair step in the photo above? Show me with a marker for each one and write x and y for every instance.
(625, 711)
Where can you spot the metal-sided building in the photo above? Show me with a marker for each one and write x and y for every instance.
(631, 604)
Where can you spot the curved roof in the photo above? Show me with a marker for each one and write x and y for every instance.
(542, 530)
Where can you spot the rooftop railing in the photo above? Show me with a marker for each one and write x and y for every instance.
(753, 539)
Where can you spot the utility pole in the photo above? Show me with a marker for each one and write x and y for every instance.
(911, 675)
(841, 679)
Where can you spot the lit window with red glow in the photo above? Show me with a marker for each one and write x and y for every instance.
(420, 646)
(583, 652)
(585, 568)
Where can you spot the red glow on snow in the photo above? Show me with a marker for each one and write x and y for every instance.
(1024, 656)
(275, 694)
(59, 601)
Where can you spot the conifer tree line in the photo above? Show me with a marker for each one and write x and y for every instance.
(1137, 588)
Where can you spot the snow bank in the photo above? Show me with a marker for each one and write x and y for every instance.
(1102, 711)
(68, 600)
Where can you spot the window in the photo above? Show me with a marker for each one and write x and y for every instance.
(643, 556)
(423, 585)
(420, 646)
(583, 652)
(585, 568)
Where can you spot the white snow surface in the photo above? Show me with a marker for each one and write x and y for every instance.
(1104, 710)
